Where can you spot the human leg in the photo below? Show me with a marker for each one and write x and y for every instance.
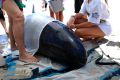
(12, 40)
(61, 15)
(90, 33)
(51, 12)
(18, 28)
(85, 24)
(57, 15)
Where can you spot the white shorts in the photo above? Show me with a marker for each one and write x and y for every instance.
(56, 5)
(106, 28)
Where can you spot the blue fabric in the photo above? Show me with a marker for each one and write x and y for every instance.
(47, 72)
(111, 73)
(11, 65)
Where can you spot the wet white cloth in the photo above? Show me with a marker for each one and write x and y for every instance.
(98, 11)
(34, 24)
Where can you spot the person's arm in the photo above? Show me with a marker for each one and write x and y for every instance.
(72, 19)
(82, 13)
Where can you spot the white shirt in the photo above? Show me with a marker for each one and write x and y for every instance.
(34, 25)
(97, 10)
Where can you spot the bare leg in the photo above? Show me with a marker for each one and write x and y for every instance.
(51, 13)
(57, 15)
(90, 33)
(18, 28)
(12, 40)
(85, 25)
(61, 15)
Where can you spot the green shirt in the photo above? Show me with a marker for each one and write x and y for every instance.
(19, 3)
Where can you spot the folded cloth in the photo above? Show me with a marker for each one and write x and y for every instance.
(111, 73)
(13, 70)
(19, 72)
(2, 62)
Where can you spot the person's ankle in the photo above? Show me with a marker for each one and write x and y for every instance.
(14, 48)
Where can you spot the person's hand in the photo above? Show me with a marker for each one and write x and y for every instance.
(72, 26)
(78, 15)
(70, 23)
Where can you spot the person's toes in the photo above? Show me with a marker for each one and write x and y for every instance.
(28, 58)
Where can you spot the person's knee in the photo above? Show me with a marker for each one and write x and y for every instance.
(78, 33)
(71, 21)
(18, 17)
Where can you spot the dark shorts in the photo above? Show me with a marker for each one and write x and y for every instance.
(2, 15)
(77, 5)
(58, 43)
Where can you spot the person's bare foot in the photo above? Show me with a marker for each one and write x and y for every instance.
(28, 58)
